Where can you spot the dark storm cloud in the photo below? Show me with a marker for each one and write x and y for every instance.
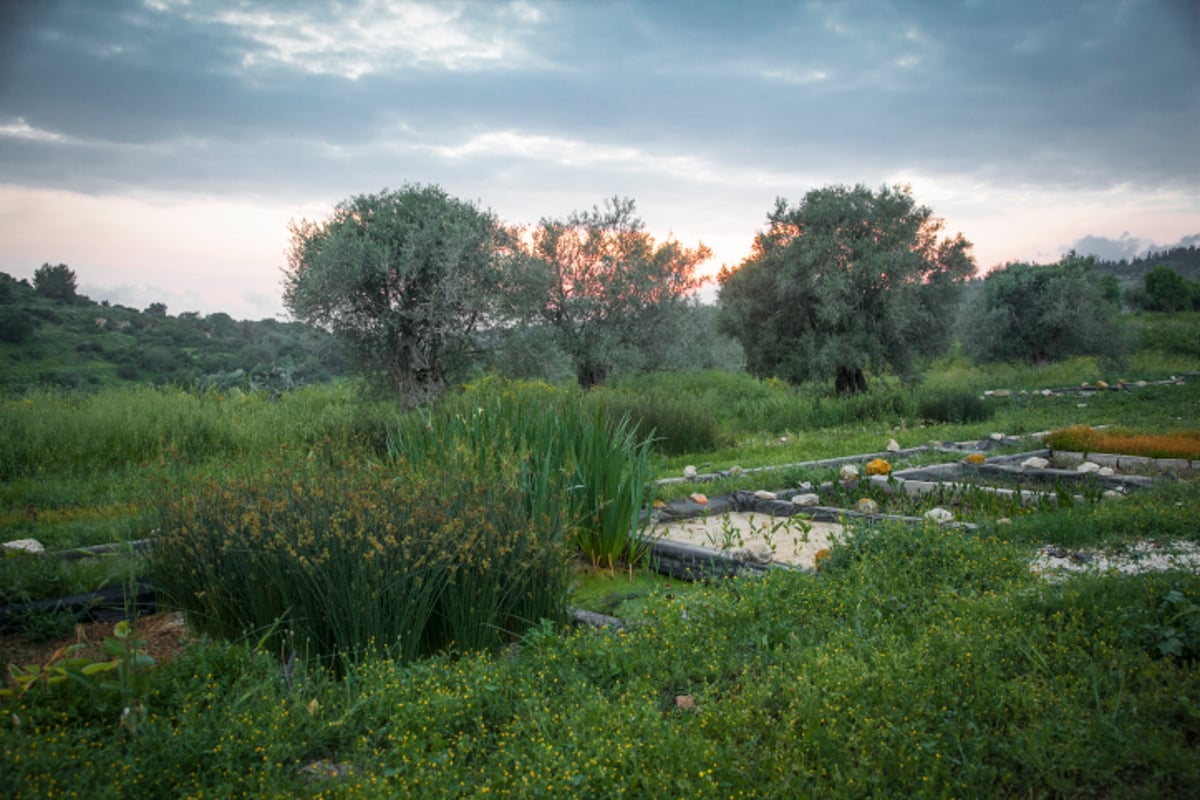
(287, 97)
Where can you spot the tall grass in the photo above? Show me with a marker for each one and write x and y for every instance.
(337, 560)
(56, 433)
(580, 468)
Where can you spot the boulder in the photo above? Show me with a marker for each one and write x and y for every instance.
(1035, 462)
(689, 471)
(763, 494)
(1106, 472)
(806, 499)
(892, 446)
(848, 472)
(1087, 468)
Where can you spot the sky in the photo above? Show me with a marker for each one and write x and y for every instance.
(160, 147)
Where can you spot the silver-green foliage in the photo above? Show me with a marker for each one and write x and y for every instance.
(403, 278)
(848, 280)
(1043, 313)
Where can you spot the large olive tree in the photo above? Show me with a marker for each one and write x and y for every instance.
(849, 279)
(403, 279)
(609, 293)
(1043, 313)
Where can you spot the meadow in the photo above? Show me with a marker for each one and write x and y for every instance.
(919, 662)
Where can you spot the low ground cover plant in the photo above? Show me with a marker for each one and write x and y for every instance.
(921, 662)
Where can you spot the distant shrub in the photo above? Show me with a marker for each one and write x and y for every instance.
(953, 406)
(678, 424)
(16, 325)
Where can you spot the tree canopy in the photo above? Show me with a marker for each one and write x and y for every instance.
(605, 288)
(1042, 313)
(847, 280)
(56, 282)
(403, 279)
(1167, 290)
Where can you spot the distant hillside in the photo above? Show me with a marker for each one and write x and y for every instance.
(76, 342)
(1184, 260)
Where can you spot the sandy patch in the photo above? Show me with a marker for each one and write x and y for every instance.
(792, 545)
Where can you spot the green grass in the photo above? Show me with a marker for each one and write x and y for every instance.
(920, 662)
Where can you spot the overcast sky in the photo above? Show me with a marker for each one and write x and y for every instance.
(160, 147)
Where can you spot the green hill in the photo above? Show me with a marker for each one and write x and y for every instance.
(74, 342)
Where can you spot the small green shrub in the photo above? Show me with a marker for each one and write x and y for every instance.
(953, 406)
(678, 424)
(341, 559)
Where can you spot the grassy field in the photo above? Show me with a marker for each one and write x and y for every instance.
(920, 662)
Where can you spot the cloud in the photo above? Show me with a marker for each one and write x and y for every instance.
(1126, 247)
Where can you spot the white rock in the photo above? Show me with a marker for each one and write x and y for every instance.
(996, 437)
(893, 446)
(939, 515)
(848, 472)
(804, 486)
(735, 471)
(763, 494)
(807, 499)
(1081, 405)
(1088, 467)
(1002, 393)
(25, 545)
(689, 471)
(1106, 471)
(1047, 392)
(1112, 494)
(1035, 462)
(754, 553)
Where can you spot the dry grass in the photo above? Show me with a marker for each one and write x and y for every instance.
(1082, 438)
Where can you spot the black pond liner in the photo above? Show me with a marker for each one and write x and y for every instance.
(692, 562)
(110, 604)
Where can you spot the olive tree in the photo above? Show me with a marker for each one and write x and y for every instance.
(850, 279)
(403, 279)
(609, 293)
(1043, 313)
